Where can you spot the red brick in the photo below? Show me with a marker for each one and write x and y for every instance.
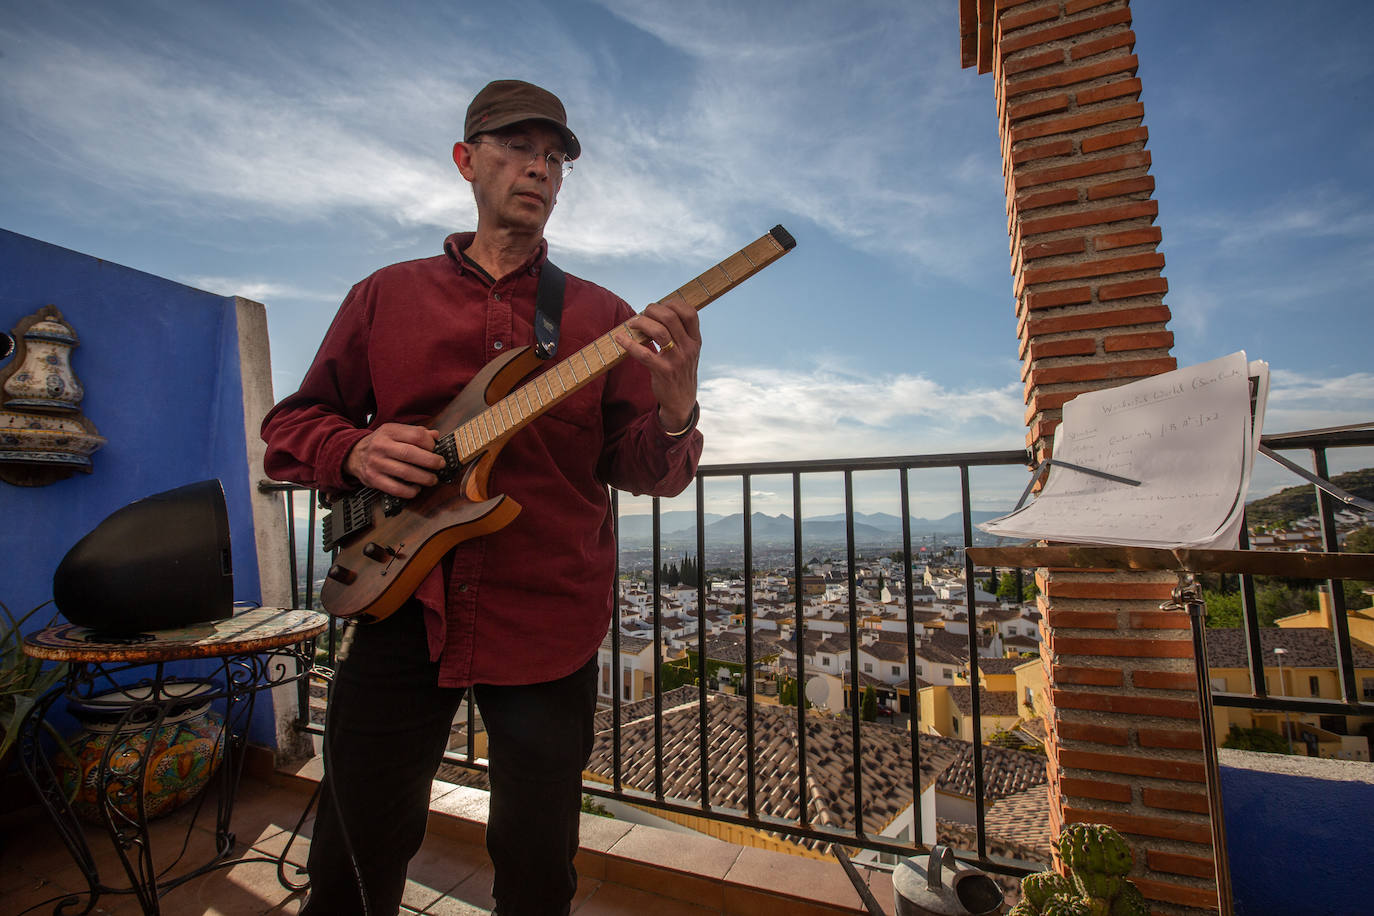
(1133, 765)
(1078, 6)
(1144, 825)
(1096, 267)
(1046, 199)
(1164, 680)
(1030, 38)
(1082, 168)
(1124, 647)
(1100, 216)
(1099, 734)
(1133, 705)
(1114, 138)
(1037, 107)
(1121, 188)
(1042, 151)
(1107, 91)
(1153, 340)
(1118, 590)
(1030, 62)
(1107, 318)
(1159, 620)
(1086, 620)
(1012, 21)
(1179, 864)
(1046, 402)
(1050, 249)
(1175, 800)
(1074, 295)
(1095, 371)
(1068, 76)
(1146, 236)
(1097, 677)
(1155, 286)
(1096, 788)
(1171, 738)
(1124, 39)
(1065, 124)
(1183, 895)
(1072, 346)
(1042, 428)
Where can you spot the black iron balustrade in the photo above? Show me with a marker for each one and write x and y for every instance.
(854, 835)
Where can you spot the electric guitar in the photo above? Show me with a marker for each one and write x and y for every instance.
(387, 545)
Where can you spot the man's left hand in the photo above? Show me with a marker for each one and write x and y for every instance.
(673, 328)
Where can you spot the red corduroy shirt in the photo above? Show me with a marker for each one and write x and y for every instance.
(530, 602)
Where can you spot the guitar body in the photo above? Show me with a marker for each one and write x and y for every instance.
(387, 546)
(371, 585)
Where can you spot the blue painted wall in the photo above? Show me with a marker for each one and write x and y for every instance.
(1298, 845)
(160, 366)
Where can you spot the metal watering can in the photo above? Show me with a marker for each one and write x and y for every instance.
(937, 885)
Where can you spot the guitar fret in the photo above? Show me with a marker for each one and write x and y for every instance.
(583, 353)
(523, 392)
(745, 252)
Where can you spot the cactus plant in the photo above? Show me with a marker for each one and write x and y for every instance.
(1098, 859)
(1065, 905)
(1131, 902)
(1095, 849)
(1039, 888)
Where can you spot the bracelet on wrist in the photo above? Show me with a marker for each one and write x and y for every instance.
(691, 423)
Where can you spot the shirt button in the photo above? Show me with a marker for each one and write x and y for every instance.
(463, 587)
(496, 345)
(496, 296)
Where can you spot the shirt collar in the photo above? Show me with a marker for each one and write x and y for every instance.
(457, 243)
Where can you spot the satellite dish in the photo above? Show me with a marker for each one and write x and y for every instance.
(818, 692)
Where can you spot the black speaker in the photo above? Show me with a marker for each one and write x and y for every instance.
(159, 563)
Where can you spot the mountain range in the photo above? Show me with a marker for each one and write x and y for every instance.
(680, 527)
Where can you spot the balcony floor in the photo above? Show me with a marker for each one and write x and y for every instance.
(624, 869)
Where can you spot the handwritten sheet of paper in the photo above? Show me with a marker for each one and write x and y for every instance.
(1186, 435)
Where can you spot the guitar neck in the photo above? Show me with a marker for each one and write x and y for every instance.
(527, 402)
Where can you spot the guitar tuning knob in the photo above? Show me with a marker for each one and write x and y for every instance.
(341, 574)
(374, 551)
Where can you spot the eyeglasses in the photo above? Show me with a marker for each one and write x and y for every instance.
(523, 152)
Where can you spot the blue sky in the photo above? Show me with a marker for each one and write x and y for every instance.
(284, 150)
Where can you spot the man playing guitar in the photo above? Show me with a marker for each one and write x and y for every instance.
(516, 614)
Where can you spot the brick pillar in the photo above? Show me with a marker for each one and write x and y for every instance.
(1124, 744)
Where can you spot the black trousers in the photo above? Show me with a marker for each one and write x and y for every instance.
(387, 729)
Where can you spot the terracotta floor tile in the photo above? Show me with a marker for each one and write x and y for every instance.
(618, 900)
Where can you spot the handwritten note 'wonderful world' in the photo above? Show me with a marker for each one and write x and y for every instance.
(1179, 448)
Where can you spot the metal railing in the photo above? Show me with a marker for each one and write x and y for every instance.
(801, 827)
(1316, 443)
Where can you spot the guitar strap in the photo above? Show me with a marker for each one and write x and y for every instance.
(548, 310)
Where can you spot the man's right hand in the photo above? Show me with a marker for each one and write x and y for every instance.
(396, 459)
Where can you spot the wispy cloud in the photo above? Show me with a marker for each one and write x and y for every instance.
(266, 291)
(758, 414)
(781, 118)
(1300, 401)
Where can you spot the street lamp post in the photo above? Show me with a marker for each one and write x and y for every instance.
(1279, 653)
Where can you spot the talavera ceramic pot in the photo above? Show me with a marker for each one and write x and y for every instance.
(181, 756)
